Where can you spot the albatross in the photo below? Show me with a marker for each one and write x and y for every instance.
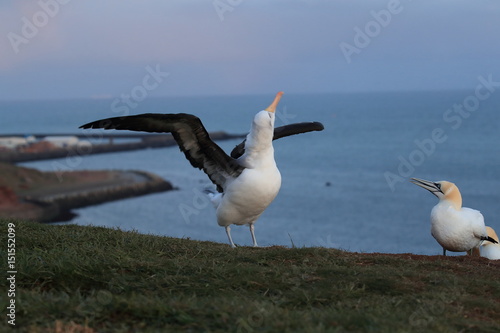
(247, 181)
(455, 228)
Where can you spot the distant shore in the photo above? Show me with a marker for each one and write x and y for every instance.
(141, 142)
(30, 194)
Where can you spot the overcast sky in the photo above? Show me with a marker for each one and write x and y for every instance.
(103, 48)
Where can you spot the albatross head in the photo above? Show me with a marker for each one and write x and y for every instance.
(262, 130)
(265, 119)
(443, 189)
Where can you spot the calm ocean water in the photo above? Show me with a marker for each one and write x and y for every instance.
(335, 191)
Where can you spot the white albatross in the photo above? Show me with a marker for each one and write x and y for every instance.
(455, 228)
(247, 181)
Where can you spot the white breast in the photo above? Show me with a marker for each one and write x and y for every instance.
(246, 198)
(457, 230)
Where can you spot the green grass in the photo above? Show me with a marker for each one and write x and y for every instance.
(91, 279)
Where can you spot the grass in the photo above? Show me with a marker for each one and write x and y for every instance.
(92, 279)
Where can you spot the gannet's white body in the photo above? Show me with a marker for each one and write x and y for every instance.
(455, 228)
(488, 249)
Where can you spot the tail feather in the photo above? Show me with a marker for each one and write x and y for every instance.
(214, 197)
(209, 191)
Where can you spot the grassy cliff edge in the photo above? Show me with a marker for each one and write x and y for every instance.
(92, 279)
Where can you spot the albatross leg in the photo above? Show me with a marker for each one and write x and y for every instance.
(444, 251)
(253, 235)
(228, 232)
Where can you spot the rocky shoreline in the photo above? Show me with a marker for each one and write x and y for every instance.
(29, 194)
(66, 202)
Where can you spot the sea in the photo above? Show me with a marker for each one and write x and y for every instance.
(346, 187)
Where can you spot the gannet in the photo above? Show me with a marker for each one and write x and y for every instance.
(247, 181)
(456, 228)
(488, 249)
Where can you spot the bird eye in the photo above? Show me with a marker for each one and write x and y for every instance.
(438, 185)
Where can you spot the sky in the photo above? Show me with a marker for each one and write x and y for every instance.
(63, 49)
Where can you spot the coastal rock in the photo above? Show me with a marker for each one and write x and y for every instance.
(128, 184)
(8, 197)
(29, 194)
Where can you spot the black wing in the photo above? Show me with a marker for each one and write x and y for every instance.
(489, 239)
(281, 132)
(191, 136)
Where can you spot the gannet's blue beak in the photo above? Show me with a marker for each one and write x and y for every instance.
(428, 185)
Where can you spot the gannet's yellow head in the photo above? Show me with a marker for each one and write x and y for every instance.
(443, 189)
(492, 234)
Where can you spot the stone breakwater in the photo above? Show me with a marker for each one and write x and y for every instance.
(129, 184)
(54, 202)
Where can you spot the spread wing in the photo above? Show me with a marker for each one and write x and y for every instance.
(281, 132)
(191, 136)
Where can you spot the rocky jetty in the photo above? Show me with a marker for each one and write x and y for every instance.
(30, 194)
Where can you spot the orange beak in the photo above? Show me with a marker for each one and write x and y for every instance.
(274, 104)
